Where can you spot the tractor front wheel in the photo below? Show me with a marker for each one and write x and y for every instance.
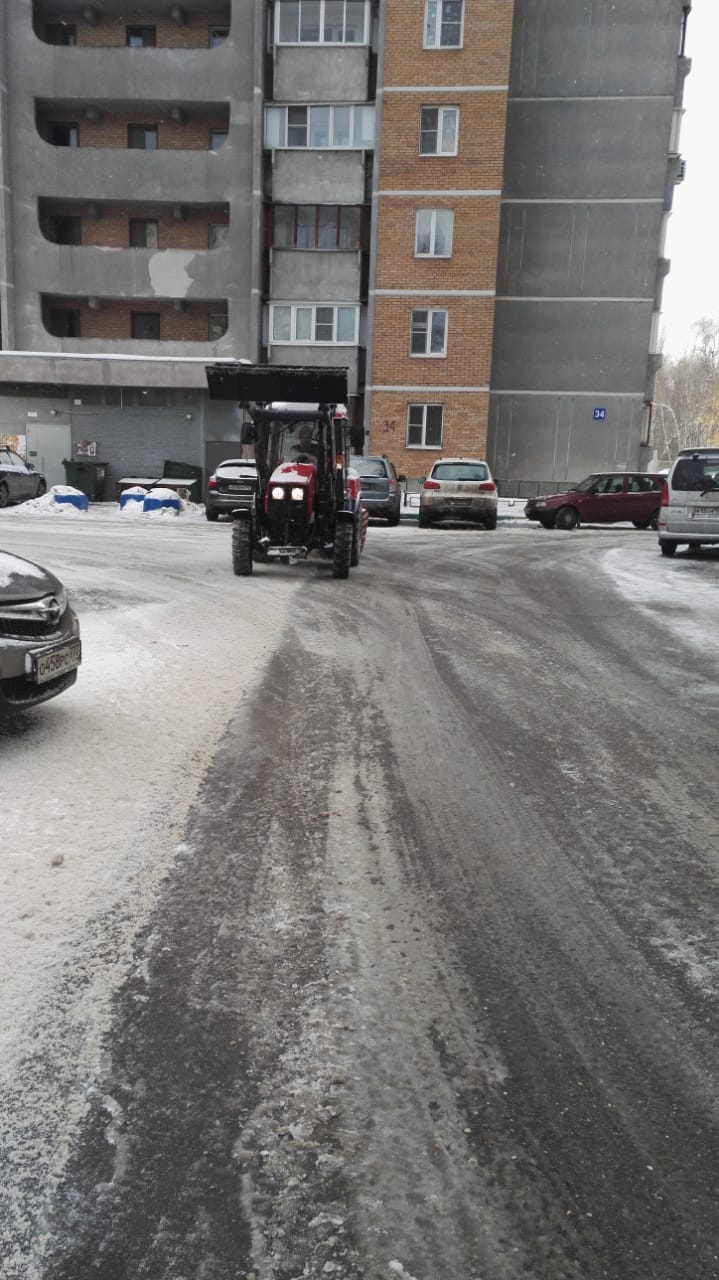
(356, 541)
(242, 548)
(342, 558)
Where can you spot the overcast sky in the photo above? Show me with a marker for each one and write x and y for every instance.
(691, 290)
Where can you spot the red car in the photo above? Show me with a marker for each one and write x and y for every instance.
(605, 497)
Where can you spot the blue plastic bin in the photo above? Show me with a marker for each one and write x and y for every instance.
(161, 504)
(79, 500)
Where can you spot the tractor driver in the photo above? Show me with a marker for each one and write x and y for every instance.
(305, 450)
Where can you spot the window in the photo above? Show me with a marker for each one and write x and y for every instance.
(424, 426)
(216, 326)
(335, 126)
(145, 325)
(433, 231)
(438, 131)
(321, 22)
(61, 33)
(443, 24)
(218, 137)
(140, 37)
(428, 333)
(61, 134)
(313, 323)
(144, 234)
(218, 35)
(142, 137)
(316, 226)
(64, 322)
(217, 233)
(65, 229)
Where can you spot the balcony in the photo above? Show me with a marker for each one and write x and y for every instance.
(341, 70)
(318, 177)
(130, 273)
(136, 76)
(332, 277)
(163, 177)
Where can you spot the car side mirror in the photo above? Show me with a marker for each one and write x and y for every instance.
(421, 479)
(402, 478)
(30, 466)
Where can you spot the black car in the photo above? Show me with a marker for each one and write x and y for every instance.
(18, 480)
(380, 493)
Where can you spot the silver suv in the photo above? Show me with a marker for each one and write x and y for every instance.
(690, 501)
(458, 489)
(39, 635)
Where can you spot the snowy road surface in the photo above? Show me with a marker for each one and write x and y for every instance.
(364, 929)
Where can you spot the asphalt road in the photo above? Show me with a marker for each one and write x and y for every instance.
(430, 988)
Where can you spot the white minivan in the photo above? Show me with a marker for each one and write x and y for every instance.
(690, 501)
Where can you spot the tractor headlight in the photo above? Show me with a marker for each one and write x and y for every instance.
(277, 492)
(297, 494)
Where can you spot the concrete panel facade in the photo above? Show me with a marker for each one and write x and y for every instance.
(337, 73)
(305, 276)
(318, 177)
(591, 124)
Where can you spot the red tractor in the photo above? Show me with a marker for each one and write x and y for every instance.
(308, 496)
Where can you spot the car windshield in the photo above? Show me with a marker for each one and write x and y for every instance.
(585, 485)
(369, 467)
(230, 470)
(696, 474)
(460, 471)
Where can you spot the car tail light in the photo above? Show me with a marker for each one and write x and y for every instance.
(431, 484)
(488, 486)
(664, 500)
(392, 485)
(212, 482)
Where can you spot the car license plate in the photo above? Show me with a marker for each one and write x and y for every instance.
(241, 488)
(48, 664)
(704, 513)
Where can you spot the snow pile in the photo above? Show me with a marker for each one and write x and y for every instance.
(47, 506)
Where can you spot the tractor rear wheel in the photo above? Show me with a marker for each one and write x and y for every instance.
(342, 557)
(241, 548)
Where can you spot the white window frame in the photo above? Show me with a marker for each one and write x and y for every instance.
(433, 13)
(430, 313)
(424, 408)
(272, 113)
(331, 43)
(313, 307)
(449, 213)
(442, 112)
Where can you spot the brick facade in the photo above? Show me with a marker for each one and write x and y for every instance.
(110, 131)
(112, 229)
(112, 320)
(472, 79)
(109, 31)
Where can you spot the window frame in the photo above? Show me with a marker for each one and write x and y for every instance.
(322, 26)
(219, 241)
(69, 219)
(213, 316)
(340, 226)
(213, 134)
(151, 129)
(144, 315)
(442, 110)
(424, 406)
(430, 313)
(67, 29)
(433, 232)
(213, 42)
(142, 222)
(313, 307)
(143, 27)
(437, 43)
(66, 312)
(70, 125)
(273, 111)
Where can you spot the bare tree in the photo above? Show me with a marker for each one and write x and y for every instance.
(686, 396)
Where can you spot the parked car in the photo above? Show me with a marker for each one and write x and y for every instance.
(605, 497)
(380, 492)
(690, 501)
(39, 635)
(232, 484)
(458, 489)
(18, 479)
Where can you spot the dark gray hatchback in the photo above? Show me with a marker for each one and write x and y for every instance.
(380, 493)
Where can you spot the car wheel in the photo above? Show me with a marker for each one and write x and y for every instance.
(4, 495)
(491, 522)
(342, 555)
(394, 519)
(212, 515)
(41, 488)
(651, 523)
(242, 548)
(667, 546)
(424, 520)
(567, 518)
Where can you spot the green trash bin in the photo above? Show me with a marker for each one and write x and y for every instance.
(87, 475)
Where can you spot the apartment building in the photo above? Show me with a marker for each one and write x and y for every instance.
(332, 182)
